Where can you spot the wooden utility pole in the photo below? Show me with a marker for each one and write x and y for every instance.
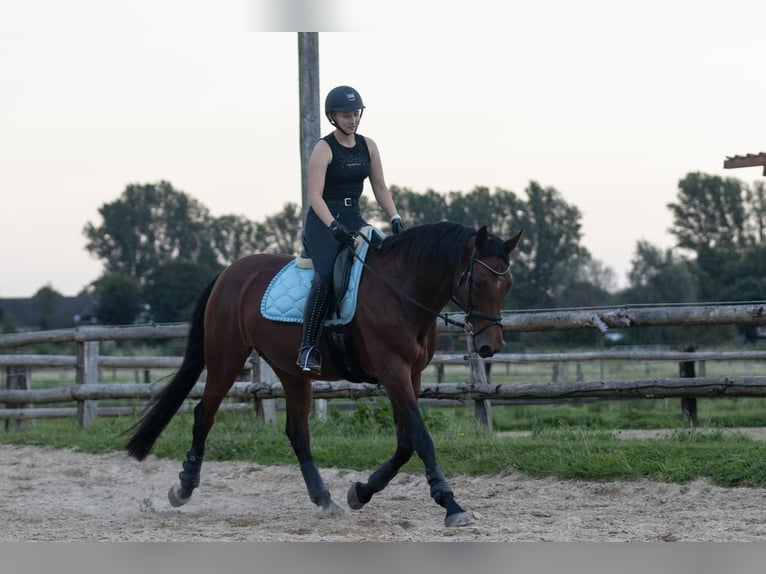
(308, 78)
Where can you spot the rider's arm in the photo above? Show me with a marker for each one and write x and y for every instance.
(378, 182)
(318, 162)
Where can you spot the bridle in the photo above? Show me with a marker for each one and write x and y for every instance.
(467, 274)
(493, 320)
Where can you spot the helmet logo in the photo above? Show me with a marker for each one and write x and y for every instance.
(351, 96)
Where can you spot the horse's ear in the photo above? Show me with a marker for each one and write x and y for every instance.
(481, 238)
(511, 244)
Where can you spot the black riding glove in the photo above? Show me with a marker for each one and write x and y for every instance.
(342, 233)
(396, 225)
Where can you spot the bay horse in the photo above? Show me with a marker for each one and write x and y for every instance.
(407, 281)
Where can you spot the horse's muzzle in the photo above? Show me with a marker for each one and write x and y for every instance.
(488, 343)
(486, 351)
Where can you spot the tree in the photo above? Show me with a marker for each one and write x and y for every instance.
(234, 236)
(172, 289)
(743, 276)
(280, 233)
(710, 212)
(550, 264)
(658, 276)
(756, 199)
(550, 257)
(45, 302)
(723, 222)
(148, 226)
(499, 210)
(118, 298)
(418, 208)
(8, 323)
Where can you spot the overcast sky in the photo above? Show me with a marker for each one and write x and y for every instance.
(611, 103)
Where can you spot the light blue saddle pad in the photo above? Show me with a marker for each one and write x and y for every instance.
(285, 297)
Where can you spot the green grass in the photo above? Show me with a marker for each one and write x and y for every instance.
(632, 414)
(566, 441)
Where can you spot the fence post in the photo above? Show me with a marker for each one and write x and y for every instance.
(320, 409)
(16, 378)
(480, 375)
(688, 404)
(87, 374)
(266, 409)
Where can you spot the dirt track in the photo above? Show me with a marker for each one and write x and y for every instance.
(61, 495)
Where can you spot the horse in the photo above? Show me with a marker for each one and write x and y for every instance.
(407, 280)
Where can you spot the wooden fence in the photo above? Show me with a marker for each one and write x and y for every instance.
(262, 389)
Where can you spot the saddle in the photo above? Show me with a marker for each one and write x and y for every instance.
(285, 297)
(341, 275)
(336, 334)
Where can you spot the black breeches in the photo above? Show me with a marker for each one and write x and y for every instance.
(319, 242)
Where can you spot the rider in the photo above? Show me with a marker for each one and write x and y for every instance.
(338, 166)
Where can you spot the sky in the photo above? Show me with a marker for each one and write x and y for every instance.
(611, 103)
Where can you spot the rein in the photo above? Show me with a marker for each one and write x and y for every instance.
(466, 274)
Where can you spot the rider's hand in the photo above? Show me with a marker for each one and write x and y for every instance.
(342, 233)
(396, 225)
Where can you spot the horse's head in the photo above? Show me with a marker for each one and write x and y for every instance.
(481, 288)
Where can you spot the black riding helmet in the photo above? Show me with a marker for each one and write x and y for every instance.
(342, 99)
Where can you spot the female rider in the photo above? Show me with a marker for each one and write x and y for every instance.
(338, 166)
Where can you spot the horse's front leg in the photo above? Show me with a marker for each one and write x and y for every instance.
(298, 406)
(440, 490)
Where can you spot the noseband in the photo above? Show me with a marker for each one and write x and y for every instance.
(467, 276)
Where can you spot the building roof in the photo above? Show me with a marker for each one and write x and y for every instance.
(749, 160)
(69, 311)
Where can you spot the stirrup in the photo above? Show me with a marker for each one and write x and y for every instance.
(309, 360)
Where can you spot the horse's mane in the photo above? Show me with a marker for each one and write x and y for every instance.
(442, 242)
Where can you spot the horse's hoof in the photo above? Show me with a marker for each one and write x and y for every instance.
(332, 509)
(353, 499)
(176, 498)
(458, 519)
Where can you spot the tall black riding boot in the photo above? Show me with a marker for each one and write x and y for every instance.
(314, 313)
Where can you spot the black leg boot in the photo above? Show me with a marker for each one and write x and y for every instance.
(314, 313)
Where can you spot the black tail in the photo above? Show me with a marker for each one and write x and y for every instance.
(170, 399)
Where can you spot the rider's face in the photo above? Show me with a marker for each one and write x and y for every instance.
(349, 121)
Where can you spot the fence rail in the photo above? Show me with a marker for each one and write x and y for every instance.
(621, 317)
(263, 389)
(173, 362)
(636, 316)
(753, 386)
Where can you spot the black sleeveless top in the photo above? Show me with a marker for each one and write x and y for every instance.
(348, 169)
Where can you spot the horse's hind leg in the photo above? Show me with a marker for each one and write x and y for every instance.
(298, 405)
(219, 380)
(412, 435)
(190, 475)
(361, 493)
